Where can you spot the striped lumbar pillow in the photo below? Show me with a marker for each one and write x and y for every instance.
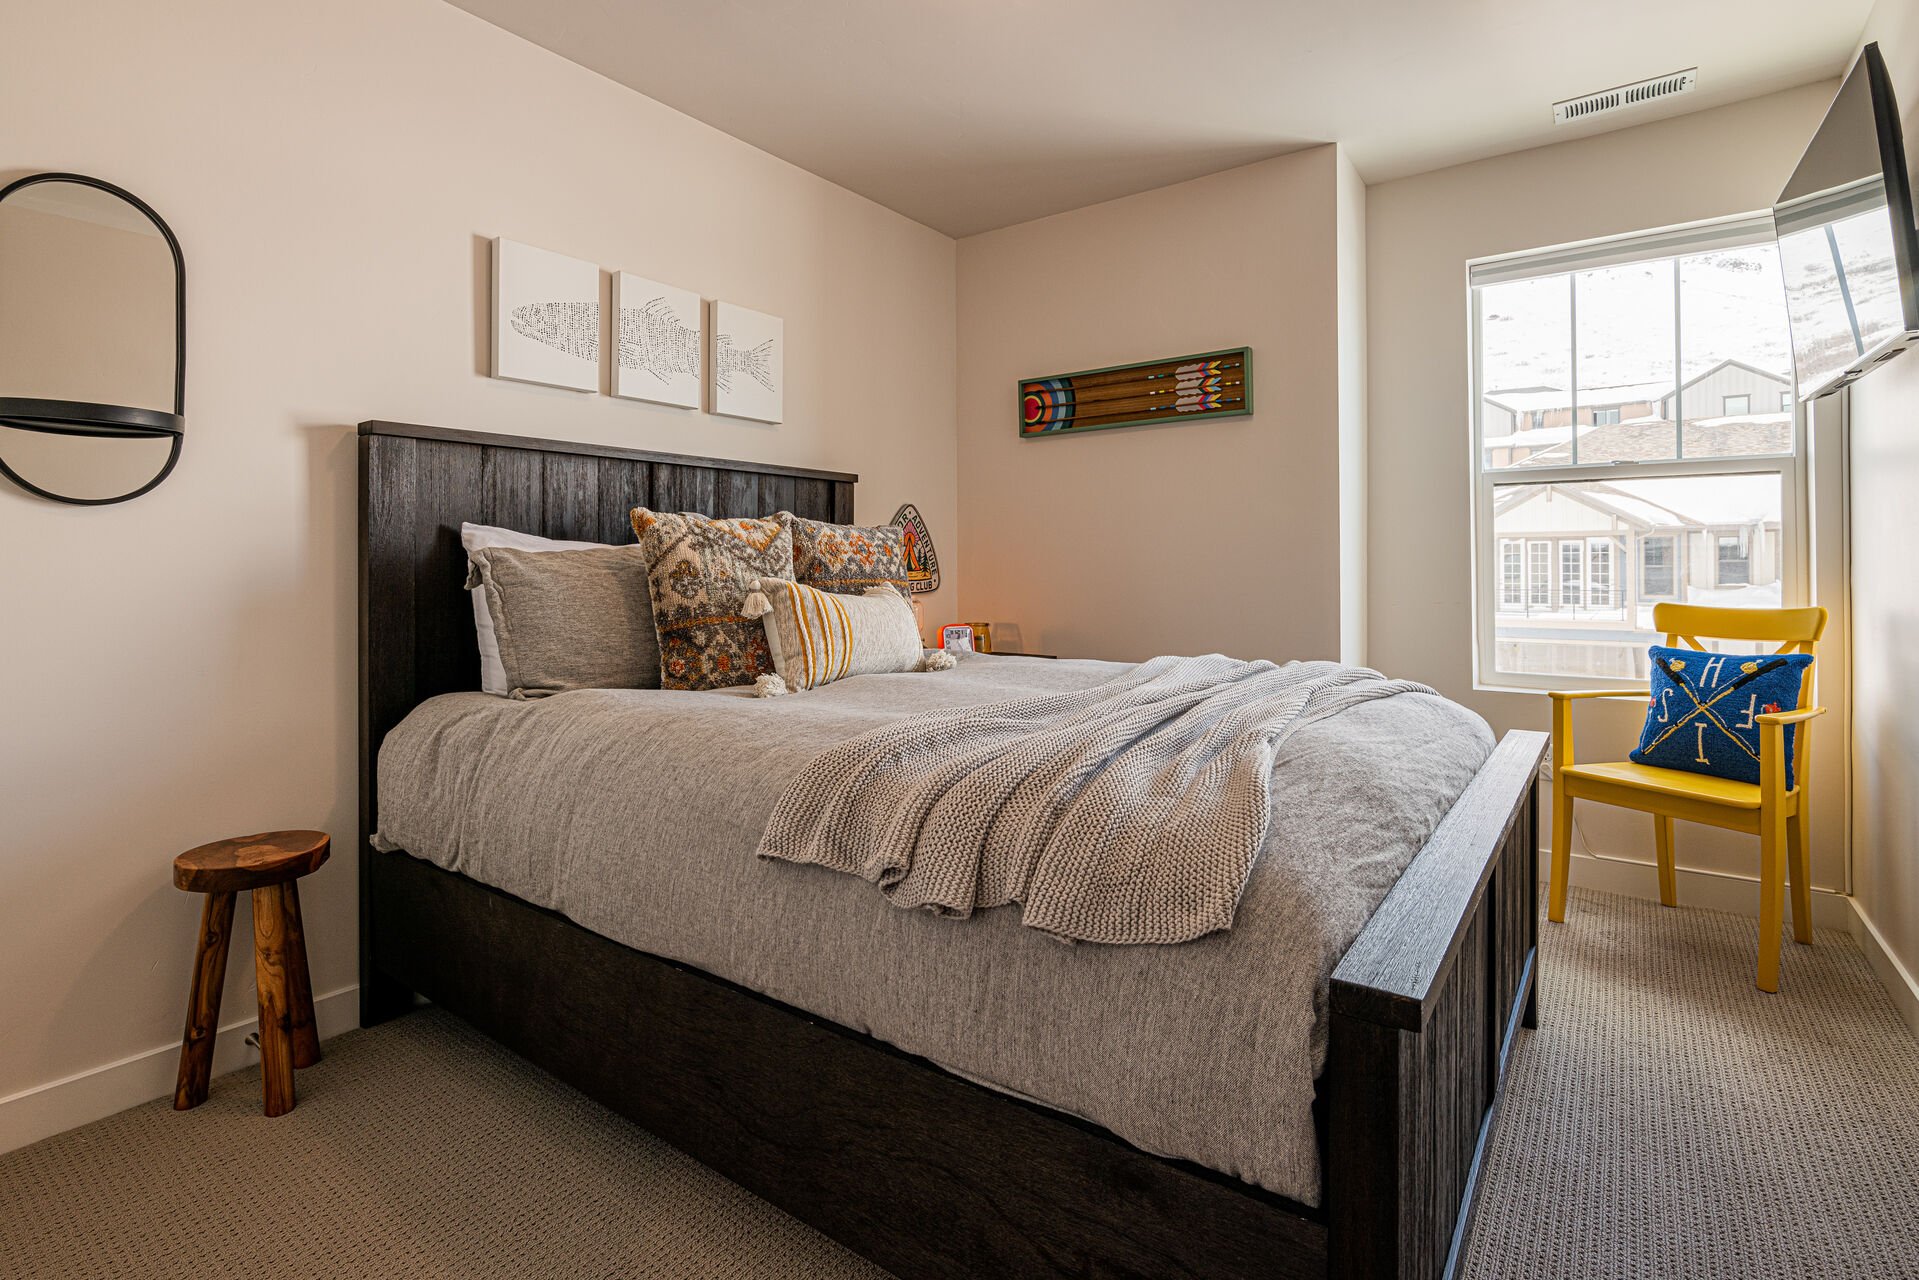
(818, 637)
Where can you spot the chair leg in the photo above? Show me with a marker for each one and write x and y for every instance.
(1562, 852)
(270, 972)
(203, 1001)
(1799, 867)
(1772, 892)
(306, 1037)
(1668, 878)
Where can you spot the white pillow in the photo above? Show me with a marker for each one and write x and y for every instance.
(475, 536)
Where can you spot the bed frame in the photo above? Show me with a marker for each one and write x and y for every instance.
(918, 1170)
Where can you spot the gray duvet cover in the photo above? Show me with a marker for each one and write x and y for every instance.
(636, 813)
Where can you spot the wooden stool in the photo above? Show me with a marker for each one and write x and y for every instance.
(268, 864)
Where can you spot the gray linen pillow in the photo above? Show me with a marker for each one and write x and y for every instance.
(570, 619)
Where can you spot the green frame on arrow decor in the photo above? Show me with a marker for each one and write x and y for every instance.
(1241, 410)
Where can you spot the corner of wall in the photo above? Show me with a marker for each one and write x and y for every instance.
(1350, 270)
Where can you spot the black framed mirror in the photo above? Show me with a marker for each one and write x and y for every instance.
(93, 341)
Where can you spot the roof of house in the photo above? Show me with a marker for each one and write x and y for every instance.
(1665, 502)
(1540, 399)
(1651, 440)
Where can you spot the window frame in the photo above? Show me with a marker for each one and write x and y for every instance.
(1516, 599)
(1790, 469)
(1720, 536)
(1538, 595)
(1726, 409)
(1572, 588)
(1596, 543)
(1672, 567)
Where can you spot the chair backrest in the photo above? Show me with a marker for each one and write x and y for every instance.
(1793, 630)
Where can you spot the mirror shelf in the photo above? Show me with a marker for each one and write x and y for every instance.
(92, 384)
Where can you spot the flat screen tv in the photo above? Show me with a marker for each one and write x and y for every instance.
(1847, 245)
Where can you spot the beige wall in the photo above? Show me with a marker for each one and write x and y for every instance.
(1218, 535)
(1421, 231)
(183, 667)
(1885, 602)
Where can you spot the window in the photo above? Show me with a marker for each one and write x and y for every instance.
(1619, 459)
(1656, 580)
(1599, 574)
(1511, 575)
(1734, 560)
(1572, 554)
(1539, 574)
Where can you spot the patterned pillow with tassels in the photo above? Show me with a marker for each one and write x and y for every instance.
(1705, 709)
(700, 570)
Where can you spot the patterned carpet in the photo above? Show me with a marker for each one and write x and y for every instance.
(1711, 1131)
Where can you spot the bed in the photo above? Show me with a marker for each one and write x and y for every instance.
(923, 1169)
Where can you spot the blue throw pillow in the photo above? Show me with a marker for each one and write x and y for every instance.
(1705, 709)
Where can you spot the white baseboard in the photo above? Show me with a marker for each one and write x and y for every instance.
(1713, 890)
(1894, 976)
(55, 1107)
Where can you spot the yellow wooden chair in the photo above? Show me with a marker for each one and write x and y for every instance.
(1770, 810)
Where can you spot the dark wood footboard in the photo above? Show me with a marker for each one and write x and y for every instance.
(1425, 1007)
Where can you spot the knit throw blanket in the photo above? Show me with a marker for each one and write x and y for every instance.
(1130, 812)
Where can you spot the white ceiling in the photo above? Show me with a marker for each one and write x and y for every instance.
(973, 114)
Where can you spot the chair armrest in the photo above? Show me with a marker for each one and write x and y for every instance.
(1783, 718)
(1563, 695)
(1563, 717)
(1772, 749)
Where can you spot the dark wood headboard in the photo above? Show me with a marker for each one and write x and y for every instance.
(418, 484)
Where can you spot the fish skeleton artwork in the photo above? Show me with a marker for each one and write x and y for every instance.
(653, 339)
(755, 362)
(749, 363)
(572, 327)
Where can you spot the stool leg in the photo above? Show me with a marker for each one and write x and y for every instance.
(306, 1037)
(203, 1001)
(270, 971)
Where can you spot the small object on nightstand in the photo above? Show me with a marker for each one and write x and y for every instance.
(956, 636)
(269, 865)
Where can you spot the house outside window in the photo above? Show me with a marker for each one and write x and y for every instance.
(1615, 445)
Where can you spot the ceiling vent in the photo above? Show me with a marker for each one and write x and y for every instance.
(1626, 95)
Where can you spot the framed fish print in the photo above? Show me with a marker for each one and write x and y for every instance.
(546, 317)
(749, 363)
(1212, 384)
(657, 341)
